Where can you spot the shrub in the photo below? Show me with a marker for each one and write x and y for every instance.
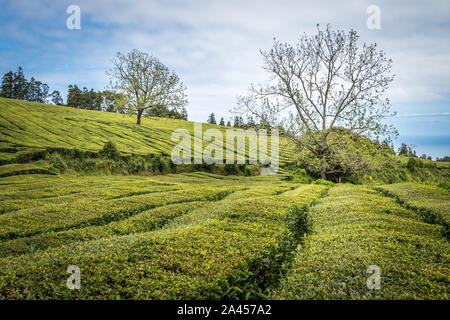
(324, 182)
(299, 221)
(90, 164)
(414, 163)
(300, 176)
(110, 151)
(27, 156)
(57, 164)
(444, 184)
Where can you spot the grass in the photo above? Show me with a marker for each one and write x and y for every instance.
(356, 227)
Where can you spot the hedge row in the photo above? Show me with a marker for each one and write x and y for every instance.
(431, 203)
(201, 255)
(356, 227)
(86, 211)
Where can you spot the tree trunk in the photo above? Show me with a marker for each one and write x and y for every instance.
(323, 167)
(139, 115)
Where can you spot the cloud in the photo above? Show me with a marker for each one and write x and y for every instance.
(214, 45)
(421, 115)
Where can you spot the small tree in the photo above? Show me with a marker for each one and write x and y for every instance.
(146, 83)
(8, 85)
(325, 81)
(20, 85)
(222, 122)
(110, 151)
(212, 119)
(56, 98)
(74, 96)
(403, 150)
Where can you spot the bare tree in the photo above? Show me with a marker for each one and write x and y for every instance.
(325, 81)
(146, 84)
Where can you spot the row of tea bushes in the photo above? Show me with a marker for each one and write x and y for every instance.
(198, 256)
(355, 228)
(431, 203)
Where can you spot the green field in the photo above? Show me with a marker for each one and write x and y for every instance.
(200, 235)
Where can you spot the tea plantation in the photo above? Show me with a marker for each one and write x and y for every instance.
(156, 233)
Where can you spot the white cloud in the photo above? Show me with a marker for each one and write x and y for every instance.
(213, 45)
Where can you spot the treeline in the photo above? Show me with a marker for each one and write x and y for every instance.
(408, 151)
(16, 86)
(110, 101)
(443, 159)
(238, 122)
(93, 100)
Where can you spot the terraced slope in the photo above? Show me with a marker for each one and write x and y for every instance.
(356, 227)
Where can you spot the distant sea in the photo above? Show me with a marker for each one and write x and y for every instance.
(435, 146)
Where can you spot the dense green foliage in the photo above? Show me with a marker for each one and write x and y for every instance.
(355, 227)
(348, 154)
(199, 248)
(431, 203)
(16, 86)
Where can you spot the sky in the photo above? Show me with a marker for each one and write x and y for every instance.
(213, 45)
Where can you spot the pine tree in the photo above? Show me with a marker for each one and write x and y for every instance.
(20, 85)
(236, 123)
(241, 122)
(403, 150)
(222, 122)
(212, 119)
(7, 85)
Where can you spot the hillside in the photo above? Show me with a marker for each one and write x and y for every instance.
(27, 126)
(29, 129)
